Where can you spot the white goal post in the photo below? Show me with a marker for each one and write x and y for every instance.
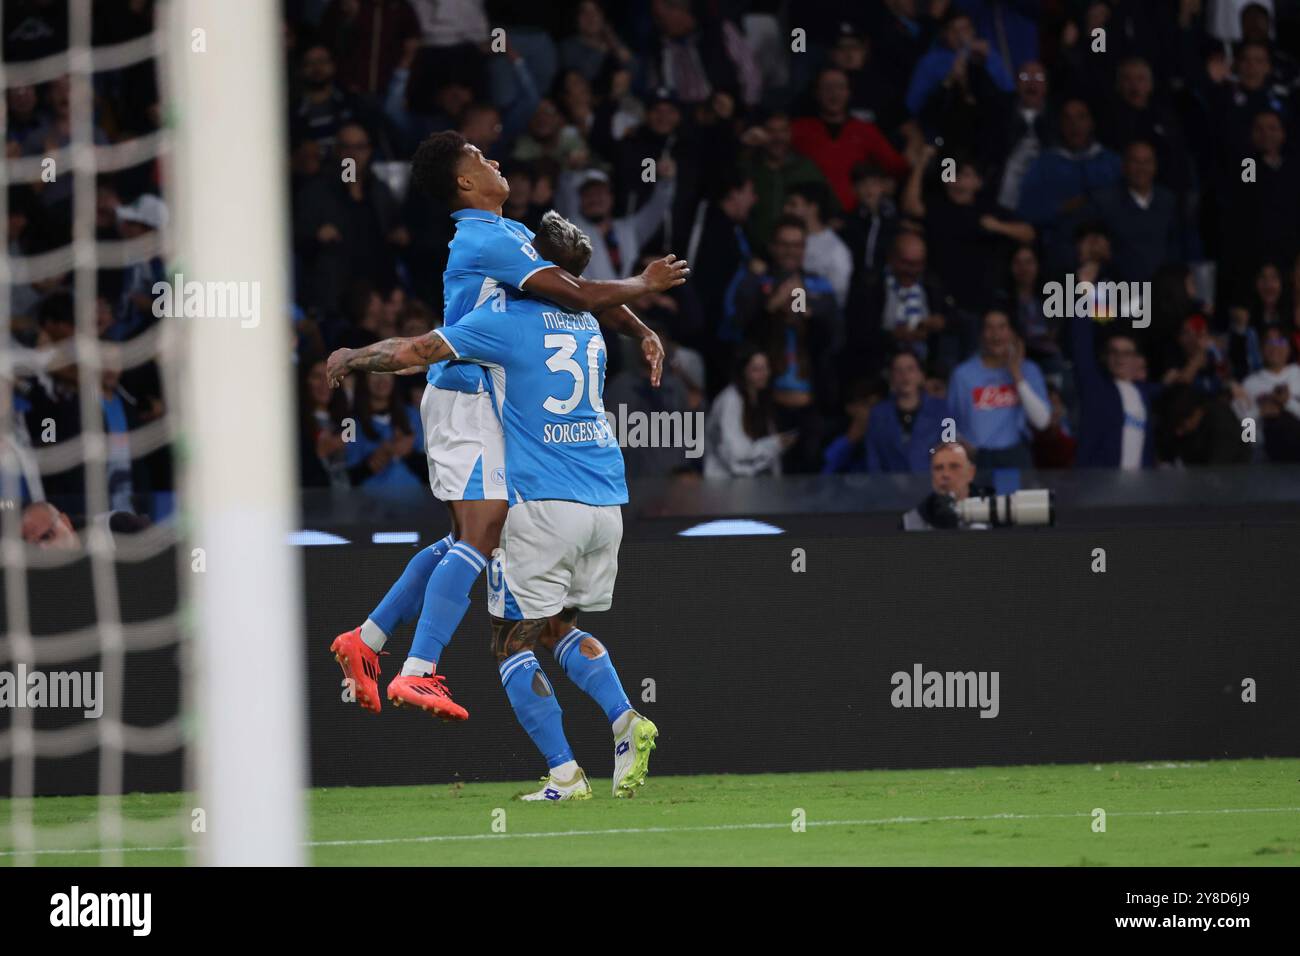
(224, 85)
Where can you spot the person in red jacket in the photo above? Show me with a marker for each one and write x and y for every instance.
(837, 142)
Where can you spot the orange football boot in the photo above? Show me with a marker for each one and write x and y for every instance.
(428, 693)
(360, 665)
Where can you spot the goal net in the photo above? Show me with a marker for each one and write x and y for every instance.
(150, 599)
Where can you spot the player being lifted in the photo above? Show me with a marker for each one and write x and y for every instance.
(491, 259)
(559, 547)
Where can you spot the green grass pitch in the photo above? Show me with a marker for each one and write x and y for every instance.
(1233, 813)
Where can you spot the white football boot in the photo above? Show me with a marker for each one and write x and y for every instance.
(575, 789)
(632, 746)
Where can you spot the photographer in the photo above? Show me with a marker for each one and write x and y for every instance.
(954, 503)
(952, 470)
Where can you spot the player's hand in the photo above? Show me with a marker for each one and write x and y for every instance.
(336, 367)
(663, 274)
(328, 233)
(653, 350)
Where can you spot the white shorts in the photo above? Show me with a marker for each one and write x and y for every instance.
(462, 437)
(553, 555)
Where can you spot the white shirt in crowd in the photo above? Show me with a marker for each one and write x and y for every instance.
(1262, 382)
(1135, 426)
(1223, 20)
(827, 255)
(728, 450)
(451, 22)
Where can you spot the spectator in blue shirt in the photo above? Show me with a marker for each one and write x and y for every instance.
(997, 394)
(388, 450)
(1062, 182)
(899, 431)
(959, 50)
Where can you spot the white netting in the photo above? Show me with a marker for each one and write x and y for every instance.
(23, 746)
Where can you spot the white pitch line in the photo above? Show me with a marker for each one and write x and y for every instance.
(619, 831)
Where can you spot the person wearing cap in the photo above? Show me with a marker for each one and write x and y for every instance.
(874, 97)
(870, 228)
(587, 200)
(699, 153)
(146, 214)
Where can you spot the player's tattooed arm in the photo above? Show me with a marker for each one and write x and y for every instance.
(624, 321)
(390, 355)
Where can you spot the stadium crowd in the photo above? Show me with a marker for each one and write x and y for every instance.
(874, 197)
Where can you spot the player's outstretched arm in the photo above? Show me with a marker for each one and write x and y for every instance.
(624, 321)
(599, 295)
(390, 355)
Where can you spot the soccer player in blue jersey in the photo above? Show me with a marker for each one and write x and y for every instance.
(491, 259)
(559, 547)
